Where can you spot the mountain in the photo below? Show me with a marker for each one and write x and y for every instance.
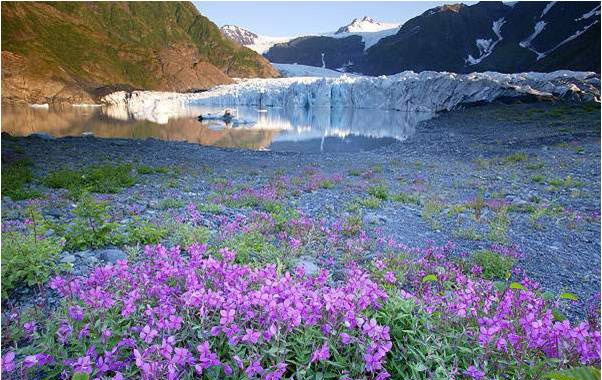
(493, 36)
(76, 51)
(239, 35)
(365, 24)
(487, 36)
(253, 41)
(339, 50)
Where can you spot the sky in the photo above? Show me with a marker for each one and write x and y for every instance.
(287, 19)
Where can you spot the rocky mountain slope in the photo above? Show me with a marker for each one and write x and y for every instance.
(74, 52)
(487, 36)
(253, 41)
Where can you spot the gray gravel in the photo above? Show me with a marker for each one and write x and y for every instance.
(451, 158)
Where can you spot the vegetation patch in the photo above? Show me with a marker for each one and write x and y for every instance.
(96, 178)
(16, 176)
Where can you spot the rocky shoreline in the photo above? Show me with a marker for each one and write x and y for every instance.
(539, 162)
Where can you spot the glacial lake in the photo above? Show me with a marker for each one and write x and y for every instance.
(297, 130)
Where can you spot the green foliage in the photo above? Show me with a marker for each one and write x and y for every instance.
(379, 191)
(467, 233)
(170, 203)
(184, 235)
(430, 213)
(422, 348)
(566, 183)
(538, 178)
(370, 202)
(96, 178)
(146, 169)
(15, 176)
(352, 225)
(253, 247)
(498, 226)
(91, 227)
(406, 198)
(210, 208)
(580, 373)
(144, 232)
(27, 259)
(515, 158)
(281, 214)
(477, 205)
(494, 265)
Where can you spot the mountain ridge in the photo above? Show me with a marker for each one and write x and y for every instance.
(69, 52)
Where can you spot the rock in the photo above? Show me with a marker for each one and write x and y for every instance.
(111, 255)
(67, 258)
(372, 218)
(308, 265)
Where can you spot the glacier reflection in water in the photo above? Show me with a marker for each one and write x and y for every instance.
(295, 129)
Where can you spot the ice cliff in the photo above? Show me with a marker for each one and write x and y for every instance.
(407, 91)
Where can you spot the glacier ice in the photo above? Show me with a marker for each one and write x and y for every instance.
(407, 91)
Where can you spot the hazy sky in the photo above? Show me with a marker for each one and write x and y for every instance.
(282, 19)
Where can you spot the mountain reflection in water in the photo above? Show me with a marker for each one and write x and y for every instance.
(313, 130)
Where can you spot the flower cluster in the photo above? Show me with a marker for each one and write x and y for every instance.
(176, 314)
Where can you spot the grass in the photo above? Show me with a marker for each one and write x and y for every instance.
(515, 158)
(145, 170)
(467, 234)
(430, 212)
(495, 266)
(538, 178)
(16, 176)
(565, 183)
(406, 198)
(379, 191)
(105, 178)
(170, 203)
(371, 202)
(498, 226)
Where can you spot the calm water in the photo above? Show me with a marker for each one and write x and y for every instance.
(301, 130)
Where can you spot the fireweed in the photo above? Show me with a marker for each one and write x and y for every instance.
(205, 312)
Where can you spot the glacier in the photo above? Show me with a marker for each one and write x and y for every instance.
(407, 91)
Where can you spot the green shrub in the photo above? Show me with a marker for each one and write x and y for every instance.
(406, 198)
(97, 178)
(27, 259)
(210, 208)
(494, 265)
(423, 347)
(371, 202)
(184, 235)
(144, 232)
(498, 226)
(379, 191)
(170, 203)
(15, 176)
(91, 227)
(430, 213)
(146, 169)
(253, 247)
(516, 158)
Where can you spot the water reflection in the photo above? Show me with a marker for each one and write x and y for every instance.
(316, 129)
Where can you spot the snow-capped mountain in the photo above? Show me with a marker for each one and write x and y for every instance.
(238, 34)
(366, 24)
(253, 41)
(487, 36)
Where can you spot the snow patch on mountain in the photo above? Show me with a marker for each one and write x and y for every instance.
(547, 8)
(568, 39)
(538, 28)
(408, 91)
(593, 12)
(486, 46)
